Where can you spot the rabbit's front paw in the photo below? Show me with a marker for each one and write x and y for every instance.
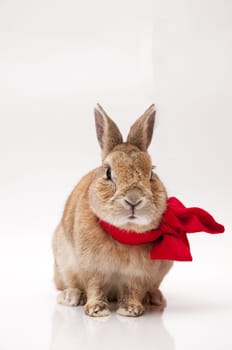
(131, 309)
(97, 308)
(71, 297)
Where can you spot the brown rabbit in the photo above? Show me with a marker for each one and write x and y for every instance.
(91, 267)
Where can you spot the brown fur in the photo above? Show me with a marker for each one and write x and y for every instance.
(91, 266)
(146, 124)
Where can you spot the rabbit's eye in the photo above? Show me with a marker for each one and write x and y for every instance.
(108, 173)
(152, 176)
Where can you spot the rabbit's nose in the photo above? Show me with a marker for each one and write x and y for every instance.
(134, 203)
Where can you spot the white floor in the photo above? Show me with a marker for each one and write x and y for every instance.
(198, 315)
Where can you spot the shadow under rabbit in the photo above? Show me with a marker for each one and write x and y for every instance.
(71, 329)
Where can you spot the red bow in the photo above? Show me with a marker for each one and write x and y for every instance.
(170, 240)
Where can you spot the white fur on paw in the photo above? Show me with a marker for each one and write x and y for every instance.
(99, 309)
(70, 297)
(131, 310)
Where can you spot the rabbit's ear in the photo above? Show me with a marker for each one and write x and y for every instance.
(108, 134)
(141, 131)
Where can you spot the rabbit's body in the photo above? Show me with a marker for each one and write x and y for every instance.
(91, 267)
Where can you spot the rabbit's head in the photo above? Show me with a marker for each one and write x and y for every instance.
(125, 191)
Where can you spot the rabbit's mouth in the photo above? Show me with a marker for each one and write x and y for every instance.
(136, 218)
(132, 217)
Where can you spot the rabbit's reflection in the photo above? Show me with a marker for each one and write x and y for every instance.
(72, 329)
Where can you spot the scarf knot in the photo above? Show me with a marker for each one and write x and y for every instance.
(169, 240)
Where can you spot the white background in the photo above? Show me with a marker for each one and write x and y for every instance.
(57, 59)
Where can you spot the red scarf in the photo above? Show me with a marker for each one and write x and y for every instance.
(169, 240)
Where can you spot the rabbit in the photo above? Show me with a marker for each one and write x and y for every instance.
(90, 267)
